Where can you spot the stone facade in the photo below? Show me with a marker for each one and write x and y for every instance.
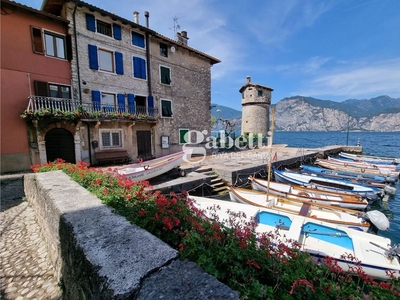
(256, 100)
(189, 91)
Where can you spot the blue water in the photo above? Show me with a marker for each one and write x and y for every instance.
(373, 143)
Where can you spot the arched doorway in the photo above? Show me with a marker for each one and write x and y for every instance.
(60, 144)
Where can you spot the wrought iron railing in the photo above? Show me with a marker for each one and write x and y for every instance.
(47, 107)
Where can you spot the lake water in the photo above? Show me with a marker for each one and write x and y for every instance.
(373, 143)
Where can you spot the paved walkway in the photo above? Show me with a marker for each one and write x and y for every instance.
(25, 270)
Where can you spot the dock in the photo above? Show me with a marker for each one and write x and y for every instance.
(209, 175)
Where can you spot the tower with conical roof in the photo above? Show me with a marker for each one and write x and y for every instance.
(256, 100)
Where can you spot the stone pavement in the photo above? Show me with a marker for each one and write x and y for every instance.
(25, 269)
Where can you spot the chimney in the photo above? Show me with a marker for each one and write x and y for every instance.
(146, 14)
(248, 79)
(136, 17)
(182, 37)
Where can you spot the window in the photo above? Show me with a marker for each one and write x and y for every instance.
(55, 45)
(108, 102)
(183, 136)
(166, 108)
(260, 93)
(111, 138)
(54, 90)
(105, 60)
(103, 28)
(139, 68)
(163, 50)
(137, 39)
(165, 75)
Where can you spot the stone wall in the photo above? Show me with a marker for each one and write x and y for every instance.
(99, 255)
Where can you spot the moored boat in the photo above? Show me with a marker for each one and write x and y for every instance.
(155, 167)
(313, 194)
(349, 247)
(286, 176)
(318, 211)
(370, 158)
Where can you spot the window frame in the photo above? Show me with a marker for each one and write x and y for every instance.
(260, 93)
(112, 145)
(161, 109)
(54, 43)
(42, 88)
(107, 106)
(112, 53)
(101, 22)
(163, 50)
(180, 141)
(160, 75)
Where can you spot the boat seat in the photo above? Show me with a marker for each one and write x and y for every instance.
(304, 209)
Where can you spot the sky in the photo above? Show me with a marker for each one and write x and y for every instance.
(326, 49)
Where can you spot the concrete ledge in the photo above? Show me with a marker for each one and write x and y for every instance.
(99, 255)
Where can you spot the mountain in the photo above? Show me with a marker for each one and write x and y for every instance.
(299, 113)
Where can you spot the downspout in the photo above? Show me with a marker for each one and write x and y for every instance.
(146, 14)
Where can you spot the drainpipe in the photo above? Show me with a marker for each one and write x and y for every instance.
(146, 14)
(76, 54)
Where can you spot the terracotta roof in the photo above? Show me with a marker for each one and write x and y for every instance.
(13, 4)
(55, 6)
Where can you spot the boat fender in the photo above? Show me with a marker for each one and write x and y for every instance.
(140, 160)
(146, 167)
(390, 190)
(378, 218)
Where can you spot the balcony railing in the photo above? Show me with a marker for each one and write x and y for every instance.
(48, 107)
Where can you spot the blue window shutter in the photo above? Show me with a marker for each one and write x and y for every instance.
(150, 103)
(93, 60)
(90, 22)
(117, 32)
(136, 67)
(119, 65)
(121, 102)
(143, 68)
(131, 103)
(96, 98)
(137, 39)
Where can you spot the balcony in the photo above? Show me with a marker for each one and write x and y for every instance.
(58, 108)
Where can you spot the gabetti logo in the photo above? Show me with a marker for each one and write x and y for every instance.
(195, 137)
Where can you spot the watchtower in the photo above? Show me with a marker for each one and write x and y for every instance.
(256, 100)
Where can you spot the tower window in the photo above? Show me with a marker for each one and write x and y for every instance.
(260, 93)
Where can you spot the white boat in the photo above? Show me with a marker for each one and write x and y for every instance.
(370, 158)
(325, 183)
(337, 164)
(312, 194)
(335, 215)
(373, 253)
(155, 167)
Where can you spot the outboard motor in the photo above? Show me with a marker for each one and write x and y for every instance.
(391, 190)
(377, 220)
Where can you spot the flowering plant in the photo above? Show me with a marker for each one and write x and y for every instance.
(258, 266)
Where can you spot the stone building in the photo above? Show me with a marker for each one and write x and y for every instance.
(256, 100)
(133, 91)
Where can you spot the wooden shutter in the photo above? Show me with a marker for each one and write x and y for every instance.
(96, 98)
(150, 104)
(143, 69)
(93, 60)
(68, 41)
(119, 65)
(41, 88)
(90, 22)
(131, 103)
(121, 102)
(37, 40)
(117, 32)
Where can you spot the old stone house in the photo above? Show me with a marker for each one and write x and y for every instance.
(133, 92)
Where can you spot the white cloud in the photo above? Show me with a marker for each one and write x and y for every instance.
(358, 80)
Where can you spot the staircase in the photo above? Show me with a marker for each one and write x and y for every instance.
(217, 184)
